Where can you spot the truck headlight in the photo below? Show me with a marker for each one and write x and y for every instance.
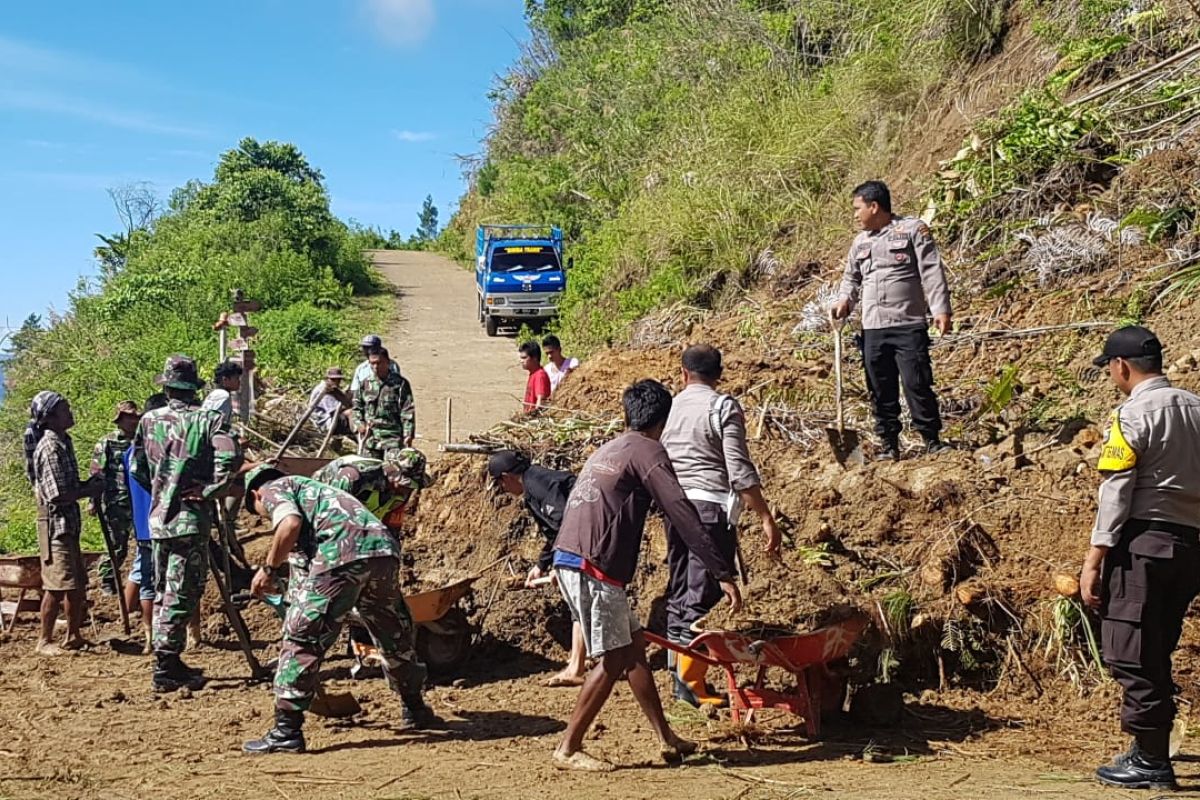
(495, 301)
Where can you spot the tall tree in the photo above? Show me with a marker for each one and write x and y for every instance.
(427, 227)
(137, 205)
(26, 335)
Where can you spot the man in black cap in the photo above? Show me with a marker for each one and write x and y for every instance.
(1143, 568)
(545, 492)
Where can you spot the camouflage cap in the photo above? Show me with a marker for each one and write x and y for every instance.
(411, 463)
(126, 408)
(257, 476)
(180, 373)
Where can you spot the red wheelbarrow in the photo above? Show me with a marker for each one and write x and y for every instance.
(806, 656)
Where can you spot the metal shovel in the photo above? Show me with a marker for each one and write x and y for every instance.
(846, 446)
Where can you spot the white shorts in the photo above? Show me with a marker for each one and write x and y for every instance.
(600, 608)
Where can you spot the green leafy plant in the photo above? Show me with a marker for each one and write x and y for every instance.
(1000, 392)
(898, 605)
(815, 555)
(1159, 224)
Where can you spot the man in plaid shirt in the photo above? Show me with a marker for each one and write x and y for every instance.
(54, 472)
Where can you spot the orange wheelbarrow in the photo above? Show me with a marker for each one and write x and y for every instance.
(806, 656)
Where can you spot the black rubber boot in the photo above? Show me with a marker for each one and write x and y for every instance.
(415, 714)
(935, 445)
(1145, 766)
(194, 671)
(170, 674)
(285, 737)
(679, 690)
(890, 451)
(1121, 759)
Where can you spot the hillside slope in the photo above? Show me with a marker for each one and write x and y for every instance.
(705, 180)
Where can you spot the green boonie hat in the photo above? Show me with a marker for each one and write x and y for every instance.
(411, 463)
(180, 373)
(256, 477)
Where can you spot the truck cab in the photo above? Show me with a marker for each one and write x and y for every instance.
(520, 276)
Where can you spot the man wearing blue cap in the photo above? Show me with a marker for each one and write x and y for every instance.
(1143, 568)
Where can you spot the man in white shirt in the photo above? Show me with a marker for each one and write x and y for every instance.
(228, 380)
(365, 370)
(331, 402)
(556, 366)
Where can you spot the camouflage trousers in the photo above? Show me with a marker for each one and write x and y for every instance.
(180, 572)
(120, 527)
(322, 603)
(377, 445)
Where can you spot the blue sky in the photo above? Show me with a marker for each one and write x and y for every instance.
(379, 94)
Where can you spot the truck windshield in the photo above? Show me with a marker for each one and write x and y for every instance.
(525, 262)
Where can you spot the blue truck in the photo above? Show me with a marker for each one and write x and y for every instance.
(520, 275)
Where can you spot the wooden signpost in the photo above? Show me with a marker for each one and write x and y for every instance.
(239, 346)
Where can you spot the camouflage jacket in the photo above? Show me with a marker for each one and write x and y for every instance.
(365, 479)
(178, 449)
(108, 460)
(335, 530)
(387, 407)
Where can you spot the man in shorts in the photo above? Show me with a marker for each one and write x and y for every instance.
(54, 472)
(596, 556)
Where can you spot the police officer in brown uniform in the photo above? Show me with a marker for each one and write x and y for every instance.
(894, 268)
(1143, 568)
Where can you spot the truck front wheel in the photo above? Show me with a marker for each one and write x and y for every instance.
(492, 325)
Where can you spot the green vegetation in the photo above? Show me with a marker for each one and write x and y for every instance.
(262, 224)
(676, 142)
(683, 145)
(423, 239)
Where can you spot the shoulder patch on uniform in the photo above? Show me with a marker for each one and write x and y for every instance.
(1116, 455)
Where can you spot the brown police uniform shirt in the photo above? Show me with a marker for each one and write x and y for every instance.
(897, 275)
(1152, 455)
(705, 438)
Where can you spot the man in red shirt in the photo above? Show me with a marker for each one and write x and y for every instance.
(537, 387)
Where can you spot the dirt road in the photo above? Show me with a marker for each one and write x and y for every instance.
(442, 348)
(87, 726)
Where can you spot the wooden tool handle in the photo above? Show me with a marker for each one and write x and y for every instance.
(837, 374)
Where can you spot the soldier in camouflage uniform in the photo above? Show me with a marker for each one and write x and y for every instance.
(184, 458)
(354, 563)
(385, 416)
(384, 487)
(108, 460)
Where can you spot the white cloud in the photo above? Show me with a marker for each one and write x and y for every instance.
(401, 22)
(49, 103)
(414, 136)
(25, 59)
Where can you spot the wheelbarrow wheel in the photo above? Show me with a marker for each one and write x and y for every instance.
(443, 643)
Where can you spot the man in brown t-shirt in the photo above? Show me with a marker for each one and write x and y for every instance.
(596, 555)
